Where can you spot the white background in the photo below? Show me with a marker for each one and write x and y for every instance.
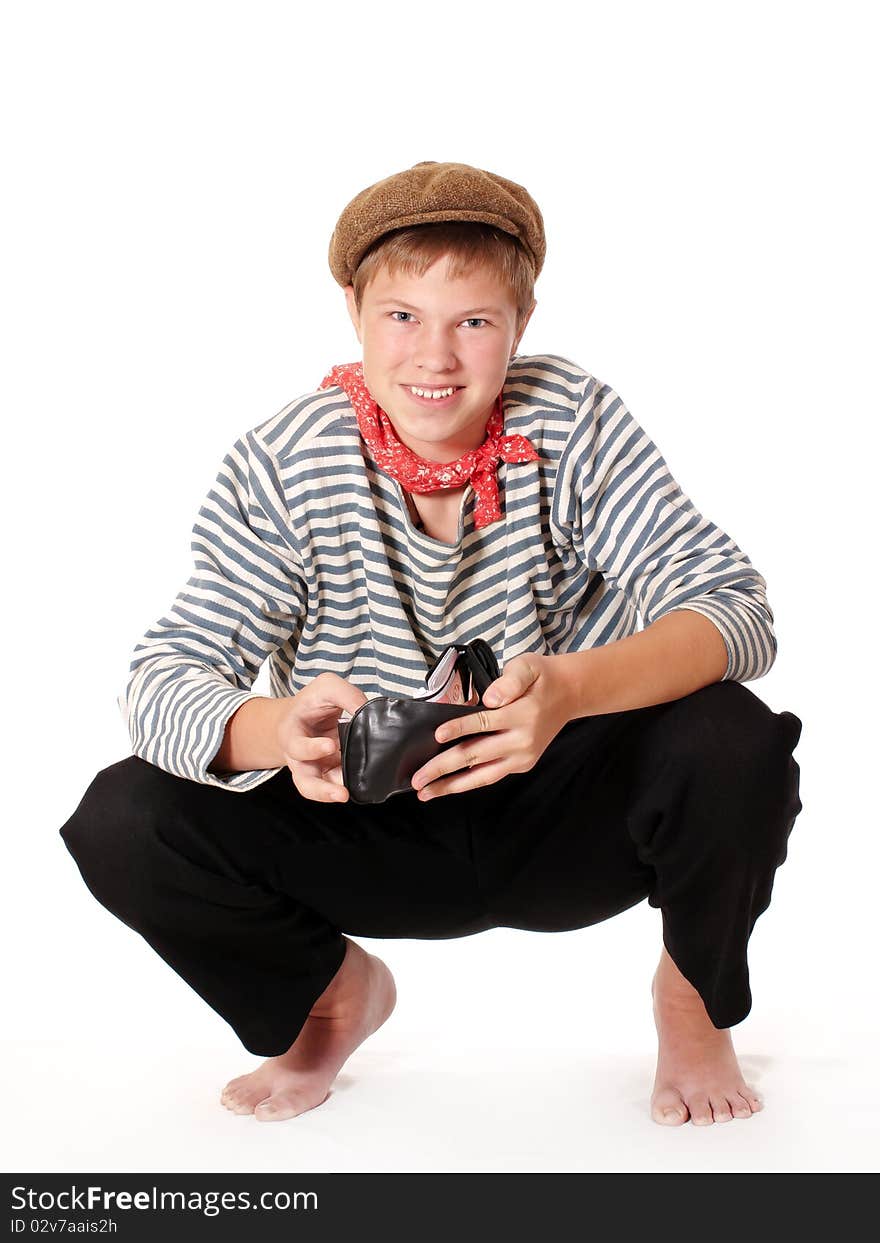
(173, 173)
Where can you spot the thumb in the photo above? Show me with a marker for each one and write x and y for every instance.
(518, 676)
(494, 695)
(330, 694)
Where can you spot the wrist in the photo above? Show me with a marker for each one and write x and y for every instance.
(252, 737)
(571, 678)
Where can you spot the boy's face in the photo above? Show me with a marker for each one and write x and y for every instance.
(432, 333)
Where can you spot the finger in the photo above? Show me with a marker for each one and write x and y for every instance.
(320, 791)
(467, 755)
(469, 779)
(314, 783)
(481, 722)
(303, 748)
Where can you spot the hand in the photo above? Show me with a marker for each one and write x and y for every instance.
(533, 705)
(309, 738)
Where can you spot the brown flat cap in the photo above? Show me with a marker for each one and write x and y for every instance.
(429, 192)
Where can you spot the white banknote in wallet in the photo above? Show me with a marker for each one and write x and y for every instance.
(443, 687)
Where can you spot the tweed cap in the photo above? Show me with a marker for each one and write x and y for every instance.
(429, 192)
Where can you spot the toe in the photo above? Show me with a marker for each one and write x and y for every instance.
(669, 1109)
(239, 1104)
(701, 1112)
(241, 1099)
(720, 1108)
(756, 1103)
(285, 1105)
(277, 1108)
(741, 1107)
(231, 1094)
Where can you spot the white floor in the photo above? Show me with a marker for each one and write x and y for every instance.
(497, 1058)
(402, 1107)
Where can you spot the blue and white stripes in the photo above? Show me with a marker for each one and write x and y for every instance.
(304, 553)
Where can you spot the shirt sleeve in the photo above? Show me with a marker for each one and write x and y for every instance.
(632, 524)
(245, 598)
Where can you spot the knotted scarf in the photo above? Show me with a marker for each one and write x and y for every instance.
(478, 467)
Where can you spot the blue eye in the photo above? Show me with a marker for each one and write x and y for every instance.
(473, 320)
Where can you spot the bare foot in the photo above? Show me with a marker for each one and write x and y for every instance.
(355, 1003)
(698, 1076)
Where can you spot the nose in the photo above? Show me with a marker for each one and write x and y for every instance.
(434, 352)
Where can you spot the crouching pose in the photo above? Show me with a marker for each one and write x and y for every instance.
(441, 489)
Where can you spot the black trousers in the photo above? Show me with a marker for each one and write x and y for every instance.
(246, 895)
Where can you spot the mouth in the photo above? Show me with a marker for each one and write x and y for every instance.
(422, 395)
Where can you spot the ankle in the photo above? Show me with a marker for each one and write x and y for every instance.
(672, 995)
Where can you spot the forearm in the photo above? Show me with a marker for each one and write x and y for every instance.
(676, 655)
(251, 738)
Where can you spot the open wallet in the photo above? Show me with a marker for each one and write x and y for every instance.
(388, 739)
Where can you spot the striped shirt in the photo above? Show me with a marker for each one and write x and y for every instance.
(305, 554)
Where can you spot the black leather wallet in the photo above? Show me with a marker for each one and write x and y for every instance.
(388, 739)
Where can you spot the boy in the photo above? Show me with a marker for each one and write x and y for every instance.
(349, 539)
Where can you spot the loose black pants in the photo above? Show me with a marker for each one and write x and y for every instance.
(246, 895)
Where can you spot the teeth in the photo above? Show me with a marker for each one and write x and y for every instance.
(432, 393)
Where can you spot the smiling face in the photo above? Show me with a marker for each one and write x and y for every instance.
(433, 333)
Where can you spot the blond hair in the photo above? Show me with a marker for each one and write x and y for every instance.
(469, 244)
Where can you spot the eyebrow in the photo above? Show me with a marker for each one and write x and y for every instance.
(494, 310)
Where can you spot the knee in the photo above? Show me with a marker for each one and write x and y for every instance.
(728, 737)
(108, 834)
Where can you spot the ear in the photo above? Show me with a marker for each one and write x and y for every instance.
(519, 334)
(352, 309)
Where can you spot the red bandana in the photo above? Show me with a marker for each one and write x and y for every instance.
(415, 473)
